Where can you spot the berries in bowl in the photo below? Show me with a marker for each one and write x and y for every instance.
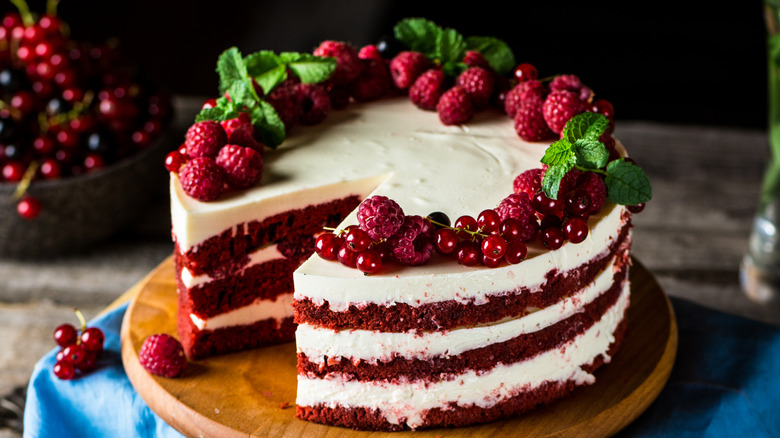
(81, 138)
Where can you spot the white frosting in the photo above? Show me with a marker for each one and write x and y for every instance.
(262, 255)
(443, 279)
(388, 147)
(260, 310)
(406, 401)
(319, 342)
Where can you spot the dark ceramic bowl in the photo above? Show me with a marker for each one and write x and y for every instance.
(79, 211)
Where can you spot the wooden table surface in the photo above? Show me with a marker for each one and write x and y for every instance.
(691, 236)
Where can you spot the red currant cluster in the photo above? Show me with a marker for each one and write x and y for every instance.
(67, 107)
(79, 352)
(486, 240)
(354, 248)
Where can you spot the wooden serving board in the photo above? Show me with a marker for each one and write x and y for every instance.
(253, 393)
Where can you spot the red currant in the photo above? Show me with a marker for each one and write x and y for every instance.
(578, 202)
(50, 169)
(13, 171)
(327, 246)
(92, 340)
(494, 246)
(73, 353)
(491, 262)
(604, 107)
(174, 160)
(488, 221)
(516, 251)
(466, 223)
(546, 206)
(446, 240)
(357, 240)
(347, 256)
(65, 335)
(369, 261)
(525, 72)
(89, 362)
(636, 208)
(511, 229)
(29, 207)
(43, 144)
(576, 229)
(93, 161)
(468, 253)
(553, 238)
(64, 370)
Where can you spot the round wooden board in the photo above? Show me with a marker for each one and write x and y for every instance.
(253, 393)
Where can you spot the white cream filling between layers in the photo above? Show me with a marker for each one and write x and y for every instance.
(407, 401)
(260, 310)
(262, 255)
(317, 343)
(441, 280)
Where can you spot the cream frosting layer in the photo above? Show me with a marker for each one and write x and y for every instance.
(386, 147)
(260, 310)
(317, 343)
(405, 402)
(328, 282)
(260, 256)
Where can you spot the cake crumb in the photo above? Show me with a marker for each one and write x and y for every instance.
(284, 405)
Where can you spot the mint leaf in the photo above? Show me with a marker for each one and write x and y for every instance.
(231, 68)
(450, 46)
(310, 68)
(225, 110)
(418, 34)
(587, 126)
(627, 184)
(557, 153)
(261, 62)
(271, 78)
(496, 52)
(552, 179)
(590, 154)
(268, 124)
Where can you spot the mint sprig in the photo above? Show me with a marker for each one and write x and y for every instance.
(580, 148)
(447, 47)
(237, 75)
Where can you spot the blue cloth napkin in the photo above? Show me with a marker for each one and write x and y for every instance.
(724, 384)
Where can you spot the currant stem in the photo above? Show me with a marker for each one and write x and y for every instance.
(27, 178)
(51, 7)
(24, 12)
(473, 233)
(83, 321)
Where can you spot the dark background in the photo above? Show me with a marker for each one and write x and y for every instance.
(666, 61)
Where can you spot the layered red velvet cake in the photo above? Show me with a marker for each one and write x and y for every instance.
(431, 340)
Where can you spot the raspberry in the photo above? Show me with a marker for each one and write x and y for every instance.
(528, 90)
(406, 67)
(472, 58)
(412, 244)
(380, 217)
(314, 102)
(339, 96)
(530, 124)
(529, 182)
(372, 83)
(243, 166)
(204, 139)
(370, 51)
(596, 188)
(162, 355)
(202, 178)
(478, 83)
(571, 83)
(242, 120)
(245, 136)
(518, 206)
(427, 89)
(284, 99)
(454, 107)
(559, 107)
(348, 65)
